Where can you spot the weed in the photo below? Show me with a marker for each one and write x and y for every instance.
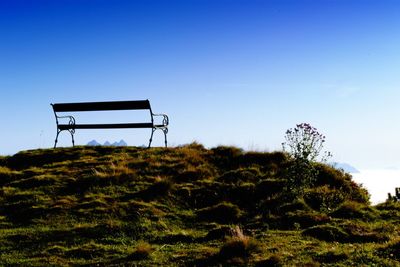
(304, 144)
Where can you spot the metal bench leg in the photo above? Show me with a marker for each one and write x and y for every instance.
(55, 143)
(72, 135)
(165, 136)
(151, 137)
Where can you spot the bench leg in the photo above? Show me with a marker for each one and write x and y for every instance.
(55, 143)
(72, 135)
(165, 136)
(151, 137)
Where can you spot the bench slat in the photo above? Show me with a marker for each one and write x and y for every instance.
(105, 126)
(98, 106)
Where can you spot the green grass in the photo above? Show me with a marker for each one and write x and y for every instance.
(184, 206)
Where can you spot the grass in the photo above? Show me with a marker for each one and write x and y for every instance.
(223, 212)
(184, 206)
(142, 251)
(238, 246)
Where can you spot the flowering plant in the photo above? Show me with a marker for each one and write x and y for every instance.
(305, 142)
(304, 145)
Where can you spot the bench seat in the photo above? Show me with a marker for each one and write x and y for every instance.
(105, 126)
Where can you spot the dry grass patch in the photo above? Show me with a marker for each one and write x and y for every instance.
(238, 246)
(142, 251)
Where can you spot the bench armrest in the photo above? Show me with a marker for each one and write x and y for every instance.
(165, 120)
(71, 119)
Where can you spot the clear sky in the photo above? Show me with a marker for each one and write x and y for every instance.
(227, 72)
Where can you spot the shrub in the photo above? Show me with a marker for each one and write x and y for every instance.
(223, 212)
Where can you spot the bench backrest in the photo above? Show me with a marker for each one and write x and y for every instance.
(99, 106)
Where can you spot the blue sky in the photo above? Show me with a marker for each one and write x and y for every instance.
(227, 72)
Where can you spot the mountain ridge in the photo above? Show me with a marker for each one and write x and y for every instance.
(107, 143)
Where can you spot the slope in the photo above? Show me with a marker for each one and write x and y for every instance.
(184, 206)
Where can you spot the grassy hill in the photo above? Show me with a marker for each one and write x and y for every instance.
(185, 206)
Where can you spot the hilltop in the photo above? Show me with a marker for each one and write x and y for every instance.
(184, 206)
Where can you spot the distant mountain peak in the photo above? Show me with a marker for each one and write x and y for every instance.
(93, 143)
(344, 166)
(107, 143)
(122, 143)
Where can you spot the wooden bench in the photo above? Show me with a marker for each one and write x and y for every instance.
(71, 125)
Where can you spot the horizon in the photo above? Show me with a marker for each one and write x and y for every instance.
(226, 72)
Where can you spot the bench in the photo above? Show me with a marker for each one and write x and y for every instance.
(71, 125)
